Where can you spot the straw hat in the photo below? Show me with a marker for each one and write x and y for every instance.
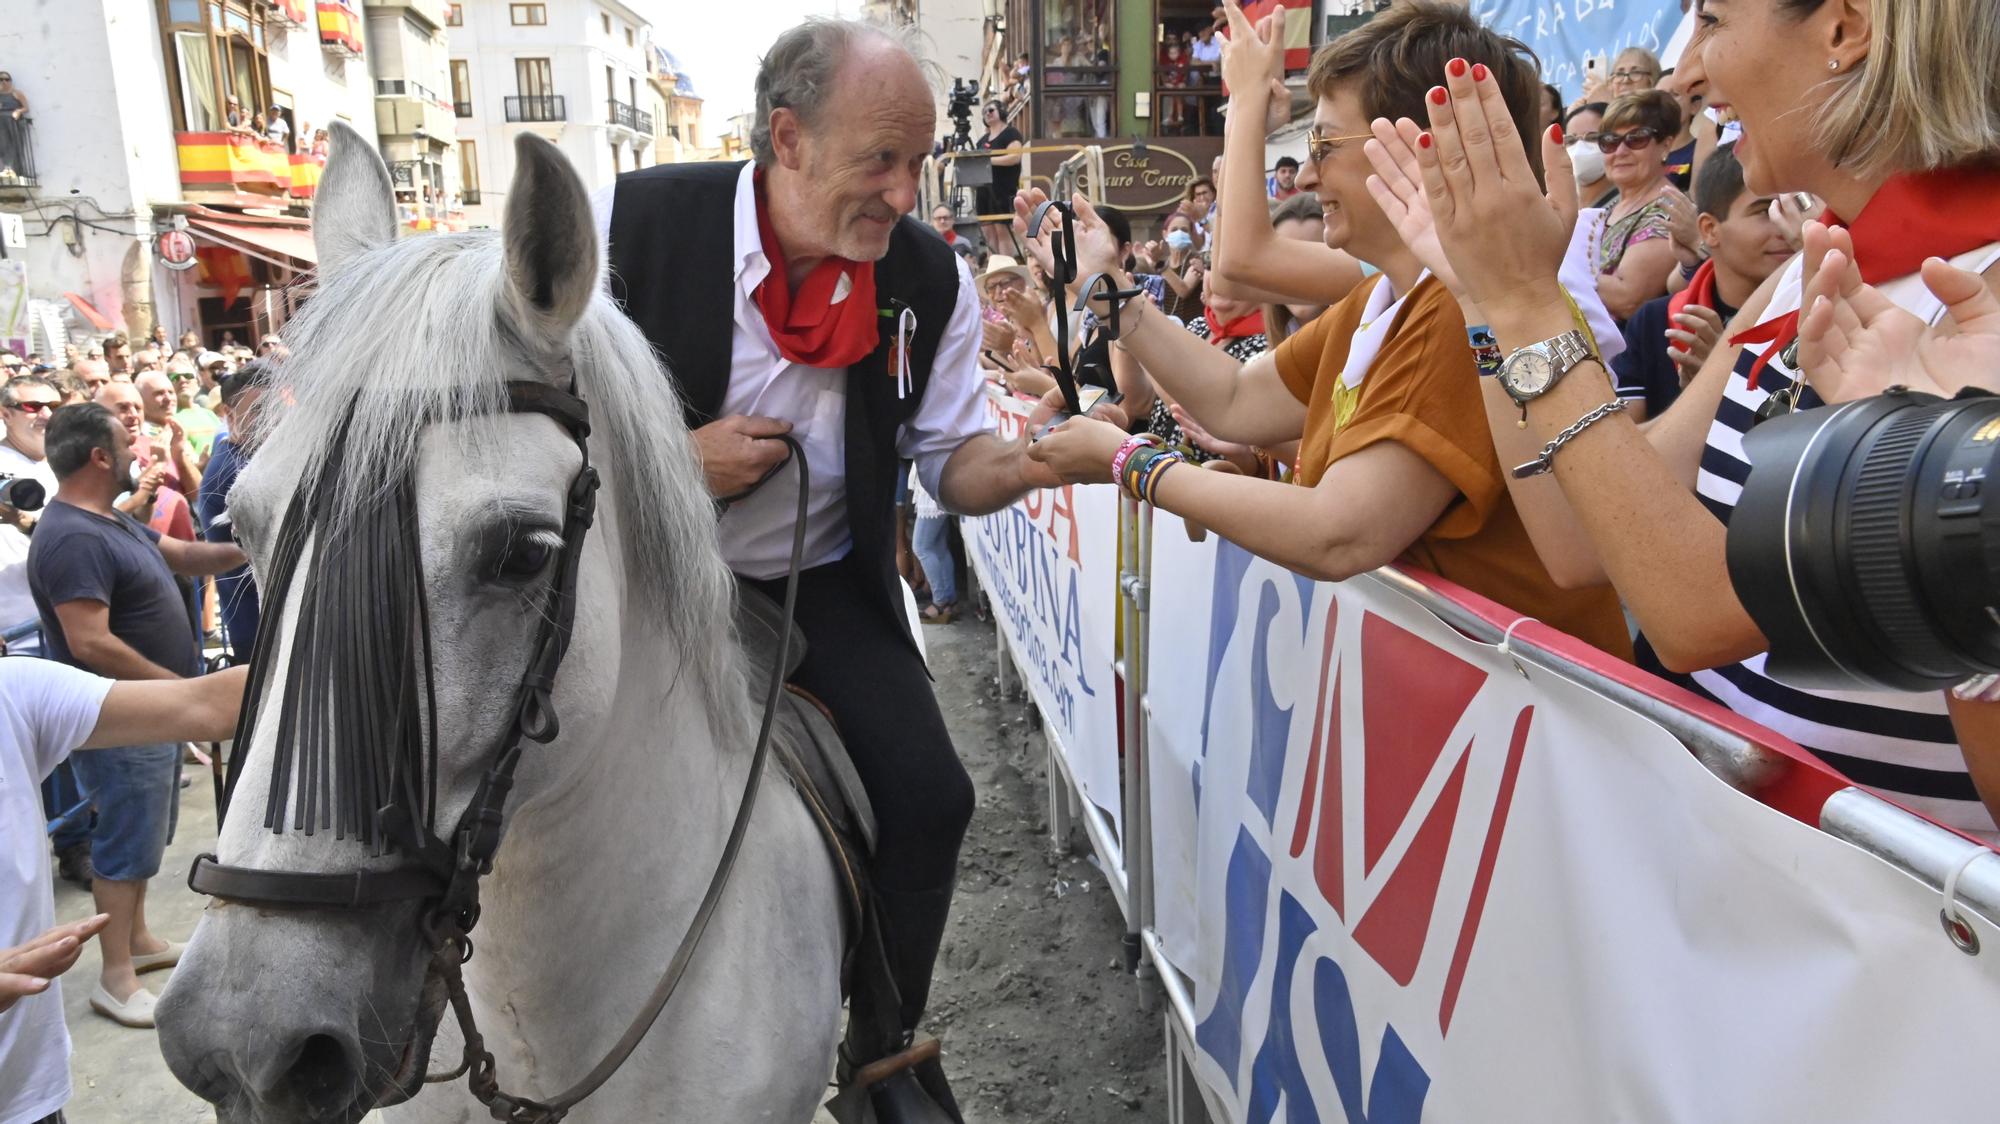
(999, 264)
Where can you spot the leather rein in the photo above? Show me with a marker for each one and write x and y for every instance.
(445, 873)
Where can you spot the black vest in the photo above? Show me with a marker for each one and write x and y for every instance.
(673, 271)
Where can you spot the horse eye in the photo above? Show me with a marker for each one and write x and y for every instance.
(524, 559)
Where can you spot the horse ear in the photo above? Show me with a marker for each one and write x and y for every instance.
(552, 260)
(354, 208)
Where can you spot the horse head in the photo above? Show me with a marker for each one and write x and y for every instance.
(411, 526)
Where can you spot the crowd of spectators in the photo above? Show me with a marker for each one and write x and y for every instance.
(110, 576)
(1323, 363)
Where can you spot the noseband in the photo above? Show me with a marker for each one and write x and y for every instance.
(443, 873)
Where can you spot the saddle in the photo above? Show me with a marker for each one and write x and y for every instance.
(807, 747)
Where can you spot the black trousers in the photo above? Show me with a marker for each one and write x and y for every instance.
(862, 667)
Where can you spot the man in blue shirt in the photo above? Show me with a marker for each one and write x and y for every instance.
(104, 587)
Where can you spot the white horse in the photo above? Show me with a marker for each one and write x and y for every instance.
(614, 828)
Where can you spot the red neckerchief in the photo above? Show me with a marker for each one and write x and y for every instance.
(1700, 290)
(1911, 217)
(808, 327)
(1221, 331)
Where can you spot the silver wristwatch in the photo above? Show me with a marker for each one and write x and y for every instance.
(1534, 370)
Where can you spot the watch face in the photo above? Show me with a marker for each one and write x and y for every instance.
(1530, 373)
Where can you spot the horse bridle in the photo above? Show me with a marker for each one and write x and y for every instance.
(1098, 286)
(445, 874)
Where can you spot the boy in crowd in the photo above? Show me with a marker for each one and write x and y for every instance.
(1668, 339)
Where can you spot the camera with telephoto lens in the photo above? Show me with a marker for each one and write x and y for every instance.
(1866, 544)
(22, 493)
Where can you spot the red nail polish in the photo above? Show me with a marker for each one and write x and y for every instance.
(1423, 140)
(1438, 96)
(1556, 133)
(1456, 67)
(1479, 72)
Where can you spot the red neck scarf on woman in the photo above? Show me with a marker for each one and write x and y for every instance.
(1913, 216)
(831, 321)
(1221, 331)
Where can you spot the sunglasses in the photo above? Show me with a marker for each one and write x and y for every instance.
(1608, 143)
(1319, 146)
(33, 408)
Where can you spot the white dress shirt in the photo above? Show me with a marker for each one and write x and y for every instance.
(757, 532)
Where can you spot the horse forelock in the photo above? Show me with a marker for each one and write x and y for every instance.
(419, 331)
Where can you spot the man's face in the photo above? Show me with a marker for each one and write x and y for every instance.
(156, 395)
(28, 417)
(1286, 174)
(1000, 288)
(122, 399)
(122, 458)
(856, 168)
(94, 374)
(941, 219)
(1746, 242)
(118, 357)
(1204, 198)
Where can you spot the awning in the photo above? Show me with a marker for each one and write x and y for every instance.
(287, 247)
(97, 319)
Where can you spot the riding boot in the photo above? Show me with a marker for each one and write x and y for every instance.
(891, 985)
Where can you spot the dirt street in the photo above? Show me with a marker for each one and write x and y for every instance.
(1039, 1023)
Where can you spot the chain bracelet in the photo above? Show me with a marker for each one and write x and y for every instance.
(1546, 460)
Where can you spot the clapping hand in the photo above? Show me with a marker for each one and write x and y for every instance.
(1503, 234)
(1253, 58)
(1854, 342)
(1695, 332)
(1398, 188)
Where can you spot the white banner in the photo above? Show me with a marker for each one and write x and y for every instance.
(1049, 564)
(1412, 880)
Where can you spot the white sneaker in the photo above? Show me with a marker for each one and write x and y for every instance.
(135, 1011)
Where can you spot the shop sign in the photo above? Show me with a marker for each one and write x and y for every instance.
(1139, 179)
(176, 249)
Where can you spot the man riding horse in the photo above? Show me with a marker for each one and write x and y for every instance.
(856, 330)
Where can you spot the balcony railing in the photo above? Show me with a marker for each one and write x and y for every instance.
(404, 88)
(536, 107)
(469, 197)
(237, 162)
(630, 117)
(17, 153)
(1187, 102)
(462, 108)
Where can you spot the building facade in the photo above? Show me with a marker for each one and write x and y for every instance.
(575, 72)
(677, 132)
(143, 122)
(414, 116)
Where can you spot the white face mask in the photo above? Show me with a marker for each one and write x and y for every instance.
(1589, 161)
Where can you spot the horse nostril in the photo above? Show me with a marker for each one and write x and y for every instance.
(322, 1075)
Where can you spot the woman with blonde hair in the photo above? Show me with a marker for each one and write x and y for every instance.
(1886, 110)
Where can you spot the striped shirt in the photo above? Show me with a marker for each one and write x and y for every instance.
(1902, 746)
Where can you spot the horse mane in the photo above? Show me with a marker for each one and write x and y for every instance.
(417, 332)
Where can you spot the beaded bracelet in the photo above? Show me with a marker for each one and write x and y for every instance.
(1485, 348)
(1141, 466)
(1132, 444)
(1157, 470)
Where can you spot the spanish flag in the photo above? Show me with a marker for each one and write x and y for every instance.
(1298, 29)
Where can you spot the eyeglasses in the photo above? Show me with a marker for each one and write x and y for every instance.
(1622, 74)
(1636, 139)
(33, 408)
(1319, 146)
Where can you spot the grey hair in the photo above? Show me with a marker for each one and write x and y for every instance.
(10, 391)
(415, 332)
(797, 73)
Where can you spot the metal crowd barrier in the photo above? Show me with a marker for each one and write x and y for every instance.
(1925, 851)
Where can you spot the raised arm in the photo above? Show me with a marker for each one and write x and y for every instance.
(200, 559)
(1247, 251)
